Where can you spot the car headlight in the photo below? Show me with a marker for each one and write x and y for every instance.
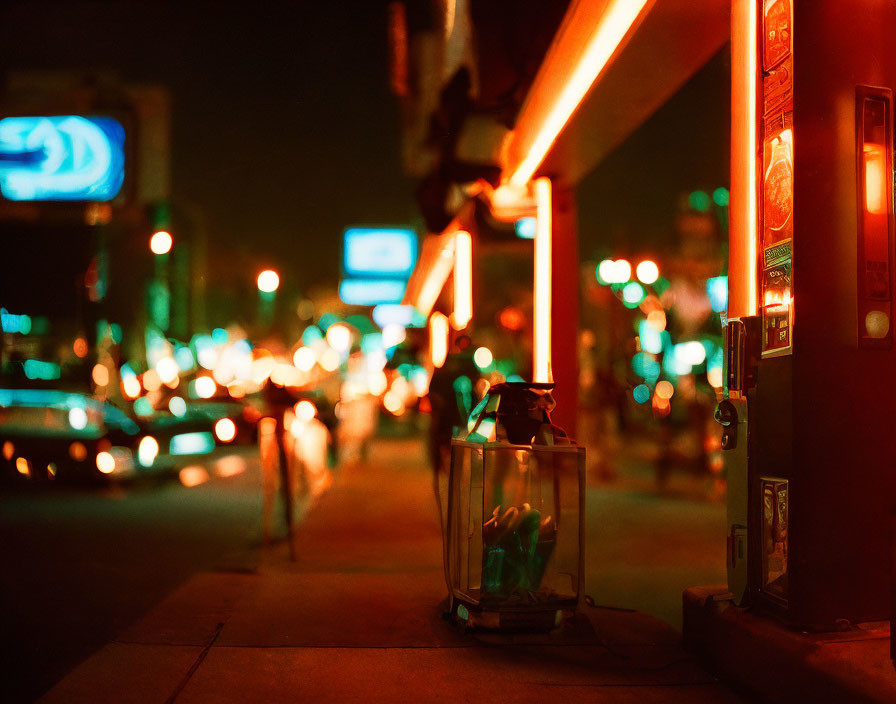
(225, 430)
(117, 459)
(105, 462)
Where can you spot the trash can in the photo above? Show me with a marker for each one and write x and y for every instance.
(514, 543)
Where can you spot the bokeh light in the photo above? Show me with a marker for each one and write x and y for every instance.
(483, 357)
(225, 430)
(167, 370)
(177, 406)
(160, 242)
(657, 320)
(77, 418)
(77, 451)
(194, 475)
(632, 294)
(205, 386)
(664, 390)
(305, 410)
(147, 451)
(339, 337)
(100, 375)
(641, 393)
(304, 359)
(268, 281)
(130, 387)
(79, 347)
(329, 360)
(105, 462)
(622, 271)
(648, 272)
(393, 403)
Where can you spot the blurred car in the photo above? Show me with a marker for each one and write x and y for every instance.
(189, 428)
(52, 435)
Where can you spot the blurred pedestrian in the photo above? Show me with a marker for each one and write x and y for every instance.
(451, 401)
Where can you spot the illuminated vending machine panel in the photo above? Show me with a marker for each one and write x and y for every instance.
(874, 171)
(776, 218)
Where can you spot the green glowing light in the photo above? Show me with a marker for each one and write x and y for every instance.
(38, 369)
(371, 342)
(641, 393)
(699, 200)
(720, 197)
(311, 334)
(632, 294)
(143, 407)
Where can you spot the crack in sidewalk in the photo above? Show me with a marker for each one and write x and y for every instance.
(195, 666)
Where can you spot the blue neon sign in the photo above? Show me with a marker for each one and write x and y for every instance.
(371, 292)
(379, 252)
(65, 157)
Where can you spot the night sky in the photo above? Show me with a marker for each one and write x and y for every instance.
(627, 205)
(284, 130)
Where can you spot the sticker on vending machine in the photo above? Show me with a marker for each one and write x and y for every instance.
(777, 298)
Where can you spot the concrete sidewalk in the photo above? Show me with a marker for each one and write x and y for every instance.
(358, 618)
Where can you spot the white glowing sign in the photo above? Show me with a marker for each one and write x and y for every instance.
(379, 252)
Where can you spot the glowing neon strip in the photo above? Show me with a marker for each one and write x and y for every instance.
(435, 281)
(463, 280)
(752, 205)
(542, 290)
(438, 339)
(615, 23)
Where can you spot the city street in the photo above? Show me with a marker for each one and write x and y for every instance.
(444, 350)
(81, 565)
(91, 564)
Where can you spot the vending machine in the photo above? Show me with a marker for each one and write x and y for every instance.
(811, 360)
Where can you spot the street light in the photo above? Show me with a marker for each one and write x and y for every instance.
(268, 281)
(158, 293)
(160, 242)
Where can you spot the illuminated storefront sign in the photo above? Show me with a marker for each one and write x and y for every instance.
(376, 263)
(379, 252)
(371, 292)
(64, 157)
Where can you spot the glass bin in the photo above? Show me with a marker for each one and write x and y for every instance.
(515, 524)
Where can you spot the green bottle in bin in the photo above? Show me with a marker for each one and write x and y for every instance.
(514, 529)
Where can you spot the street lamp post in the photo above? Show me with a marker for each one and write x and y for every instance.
(159, 295)
(268, 282)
